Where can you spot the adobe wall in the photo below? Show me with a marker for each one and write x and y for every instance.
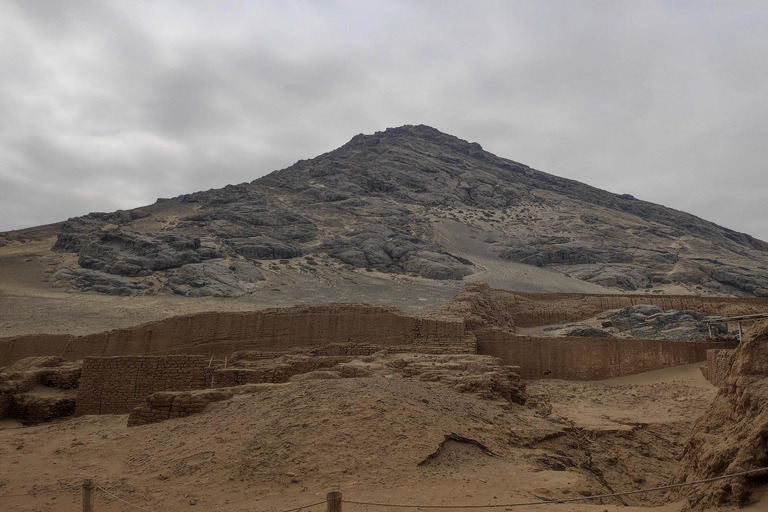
(588, 358)
(719, 362)
(533, 309)
(34, 409)
(166, 405)
(266, 330)
(115, 385)
(5, 403)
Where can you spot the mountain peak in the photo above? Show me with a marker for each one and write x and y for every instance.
(411, 200)
(409, 131)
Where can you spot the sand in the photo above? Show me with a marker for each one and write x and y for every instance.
(289, 445)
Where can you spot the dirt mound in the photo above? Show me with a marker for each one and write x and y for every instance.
(484, 376)
(732, 436)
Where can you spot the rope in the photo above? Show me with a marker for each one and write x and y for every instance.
(32, 492)
(118, 498)
(67, 347)
(564, 500)
(305, 506)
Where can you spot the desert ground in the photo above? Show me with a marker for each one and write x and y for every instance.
(372, 439)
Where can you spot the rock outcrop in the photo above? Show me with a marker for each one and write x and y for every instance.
(651, 322)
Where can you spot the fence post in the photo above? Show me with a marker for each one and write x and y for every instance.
(88, 495)
(334, 501)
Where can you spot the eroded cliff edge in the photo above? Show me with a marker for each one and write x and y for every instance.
(732, 435)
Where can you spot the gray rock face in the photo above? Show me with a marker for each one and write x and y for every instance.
(263, 248)
(214, 278)
(579, 331)
(387, 250)
(378, 202)
(127, 253)
(93, 280)
(651, 322)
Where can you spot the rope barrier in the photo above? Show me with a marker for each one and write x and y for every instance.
(563, 500)
(118, 498)
(32, 492)
(401, 505)
(67, 347)
(305, 506)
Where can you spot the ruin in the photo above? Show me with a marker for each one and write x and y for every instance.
(121, 369)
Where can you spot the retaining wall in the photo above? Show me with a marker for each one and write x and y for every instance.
(115, 385)
(588, 358)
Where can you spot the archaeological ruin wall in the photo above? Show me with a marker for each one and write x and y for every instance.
(534, 309)
(214, 334)
(588, 358)
(115, 385)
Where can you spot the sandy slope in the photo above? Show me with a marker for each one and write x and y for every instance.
(468, 242)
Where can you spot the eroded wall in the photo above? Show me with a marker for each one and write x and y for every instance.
(115, 385)
(214, 334)
(588, 358)
(534, 309)
(719, 363)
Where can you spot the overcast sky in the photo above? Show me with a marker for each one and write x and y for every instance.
(107, 104)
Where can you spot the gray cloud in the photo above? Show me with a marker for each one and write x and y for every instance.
(107, 105)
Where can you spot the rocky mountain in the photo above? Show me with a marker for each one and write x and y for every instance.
(410, 201)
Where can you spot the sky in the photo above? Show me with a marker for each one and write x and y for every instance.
(109, 105)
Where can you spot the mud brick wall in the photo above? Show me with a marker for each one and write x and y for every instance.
(61, 378)
(5, 402)
(443, 337)
(32, 409)
(588, 358)
(221, 333)
(166, 405)
(229, 377)
(115, 385)
(719, 362)
(533, 309)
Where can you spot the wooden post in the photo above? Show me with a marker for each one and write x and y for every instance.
(334, 501)
(741, 332)
(709, 327)
(88, 495)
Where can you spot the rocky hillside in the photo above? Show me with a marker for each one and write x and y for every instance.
(407, 201)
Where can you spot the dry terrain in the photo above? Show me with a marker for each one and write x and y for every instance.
(376, 440)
